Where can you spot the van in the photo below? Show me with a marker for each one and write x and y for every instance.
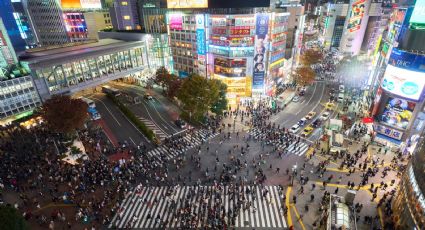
(340, 97)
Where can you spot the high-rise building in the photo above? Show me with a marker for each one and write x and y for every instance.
(96, 21)
(47, 21)
(124, 15)
(17, 93)
(76, 26)
(336, 14)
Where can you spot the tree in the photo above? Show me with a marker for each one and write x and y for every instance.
(310, 57)
(305, 75)
(221, 104)
(197, 94)
(11, 219)
(161, 77)
(64, 114)
(173, 86)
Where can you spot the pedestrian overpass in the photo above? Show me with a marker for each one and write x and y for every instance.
(69, 69)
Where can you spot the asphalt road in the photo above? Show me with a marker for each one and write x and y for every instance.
(120, 126)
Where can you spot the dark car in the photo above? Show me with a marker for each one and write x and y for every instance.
(317, 123)
(180, 123)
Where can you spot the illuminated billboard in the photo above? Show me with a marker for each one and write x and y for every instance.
(418, 15)
(397, 113)
(357, 12)
(176, 22)
(187, 4)
(81, 4)
(402, 82)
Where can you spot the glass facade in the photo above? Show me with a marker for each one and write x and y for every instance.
(70, 74)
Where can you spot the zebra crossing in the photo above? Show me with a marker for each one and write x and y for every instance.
(169, 208)
(158, 131)
(165, 152)
(298, 149)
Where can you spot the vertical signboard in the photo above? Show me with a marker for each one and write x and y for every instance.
(261, 42)
(357, 12)
(200, 42)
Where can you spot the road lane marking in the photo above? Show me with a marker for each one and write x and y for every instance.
(107, 109)
(132, 140)
(288, 208)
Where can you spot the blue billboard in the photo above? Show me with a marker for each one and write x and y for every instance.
(200, 40)
(261, 44)
(406, 60)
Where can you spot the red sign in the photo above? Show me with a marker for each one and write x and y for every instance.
(367, 120)
(240, 32)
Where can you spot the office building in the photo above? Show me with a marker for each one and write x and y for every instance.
(124, 15)
(76, 26)
(47, 21)
(335, 17)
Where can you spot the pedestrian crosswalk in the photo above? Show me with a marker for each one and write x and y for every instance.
(298, 149)
(158, 131)
(217, 207)
(192, 139)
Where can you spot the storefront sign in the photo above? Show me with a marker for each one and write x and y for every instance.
(389, 132)
(406, 60)
(402, 82)
(178, 4)
(176, 22)
(418, 15)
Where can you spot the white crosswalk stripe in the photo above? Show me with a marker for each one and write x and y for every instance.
(161, 207)
(193, 140)
(292, 148)
(158, 132)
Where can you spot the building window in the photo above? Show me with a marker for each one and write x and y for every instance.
(128, 28)
(126, 17)
(124, 3)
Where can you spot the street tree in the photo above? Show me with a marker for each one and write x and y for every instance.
(11, 219)
(64, 114)
(161, 77)
(173, 85)
(304, 75)
(221, 104)
(197, 95)
(310, 57)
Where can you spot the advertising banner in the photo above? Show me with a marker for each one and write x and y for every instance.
(397, 113)
(357, 12)
(404, 59)
(176, 22)
(261, 42)
(389, 132)
(179, 4)
(404, 83)
(200, 40)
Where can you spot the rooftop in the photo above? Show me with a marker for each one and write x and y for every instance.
(48, 57)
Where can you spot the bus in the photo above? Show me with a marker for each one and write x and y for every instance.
(110, 90)
(89, 102)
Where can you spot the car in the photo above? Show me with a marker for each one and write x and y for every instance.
(310, 115)
(329, 106)
(307, 131)
(341, 97)
(294, 128)
(341, 88)
(148, 96)
(324, 116)
(296, 99)
(316, 123)
(301, 93)
(302, 122)
(180, 123)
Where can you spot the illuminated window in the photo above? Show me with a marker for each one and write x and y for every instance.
(124, 3)
(126, 17)
(128, 28)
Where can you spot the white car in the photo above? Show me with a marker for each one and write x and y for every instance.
(294, 128)
(296, 99)
(324, 116)
(341, 88)
(302, 121)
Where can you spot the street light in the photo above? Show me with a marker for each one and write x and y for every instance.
(294, 172)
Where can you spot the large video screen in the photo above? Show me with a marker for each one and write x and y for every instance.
(397, 112)
(81, 4)
(418, 15)
(238, 3)
(402, 82)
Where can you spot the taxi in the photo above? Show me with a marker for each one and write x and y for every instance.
(307, 131)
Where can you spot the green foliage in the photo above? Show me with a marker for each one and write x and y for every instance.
(130, 115)
(65, 114)
(221, 104)
(170, 83)
(11, 219)
(198, 95)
